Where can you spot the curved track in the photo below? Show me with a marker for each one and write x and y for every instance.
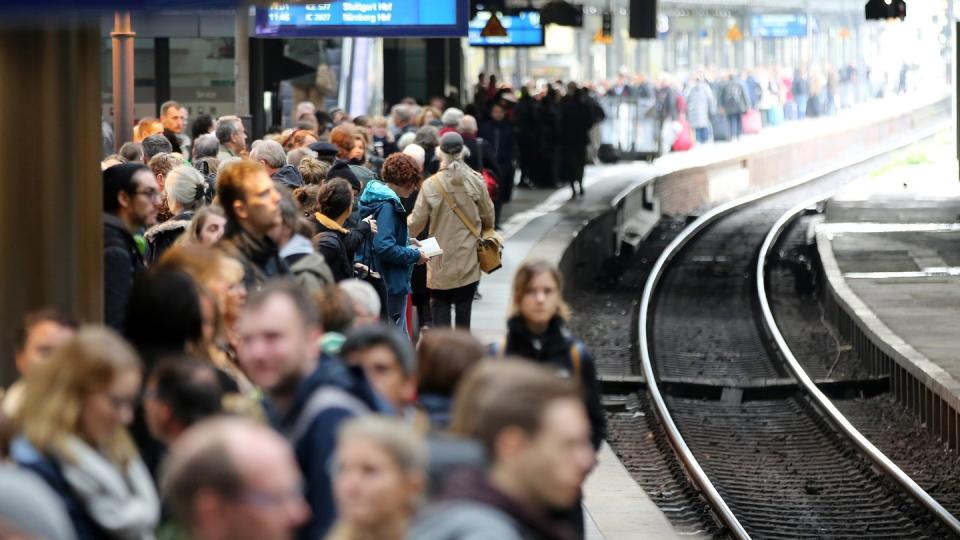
(772, 464)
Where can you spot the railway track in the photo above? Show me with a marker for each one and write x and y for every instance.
(767, 449)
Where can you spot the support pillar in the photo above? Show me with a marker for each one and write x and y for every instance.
(241, 66)
(50, 209)
(123, 118)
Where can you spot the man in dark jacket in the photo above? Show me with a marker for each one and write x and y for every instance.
(252, 205)
(174, 121)
(576, 119)
(131, 198)
(534, 429)
(499, 133)
(307, 397)
(733, 99)
(271, 155)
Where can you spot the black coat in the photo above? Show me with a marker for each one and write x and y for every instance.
(260, 258)
(163, 235)
(500, 136)
(122, 261)
(576, 119)
(553, 349)
(481, 150)
(332, 245)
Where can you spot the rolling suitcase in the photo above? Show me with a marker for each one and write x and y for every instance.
(721, 127)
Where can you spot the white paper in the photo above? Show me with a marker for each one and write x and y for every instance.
(431, 247)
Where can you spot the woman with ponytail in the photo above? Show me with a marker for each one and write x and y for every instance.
(185, 192)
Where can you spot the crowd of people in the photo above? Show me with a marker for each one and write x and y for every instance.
(286, 353)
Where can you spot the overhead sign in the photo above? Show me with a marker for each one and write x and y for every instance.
(774, 25)
(371, 18)
(522, 29)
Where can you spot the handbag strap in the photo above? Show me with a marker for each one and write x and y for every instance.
(457, 210)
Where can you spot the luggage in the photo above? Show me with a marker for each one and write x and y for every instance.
(752, 122)
(607, 154)
(721, 127)
(775, 116)
(790, 111)
(684, 139)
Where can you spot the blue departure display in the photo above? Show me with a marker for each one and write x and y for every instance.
(523, 30)
(348, 18)
(773, 25)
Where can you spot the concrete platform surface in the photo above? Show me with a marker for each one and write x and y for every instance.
(893, 242)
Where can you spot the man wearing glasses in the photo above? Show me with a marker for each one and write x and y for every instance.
(131, 198)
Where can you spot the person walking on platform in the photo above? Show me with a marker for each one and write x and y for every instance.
(131, 198)
(733, 99)
(458, 207)
(525, 126)
(576, 120)
(701, 106)
(537, 330)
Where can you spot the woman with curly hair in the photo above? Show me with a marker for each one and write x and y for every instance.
(388, 253)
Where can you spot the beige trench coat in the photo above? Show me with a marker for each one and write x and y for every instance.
(458, 266)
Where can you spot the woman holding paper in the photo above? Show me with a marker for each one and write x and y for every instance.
(455, 200)
(388, 253)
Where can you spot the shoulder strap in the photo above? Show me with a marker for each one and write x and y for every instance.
(456, 209)
(575, 358)
(328, 397)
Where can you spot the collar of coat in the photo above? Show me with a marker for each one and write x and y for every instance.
(329, 223)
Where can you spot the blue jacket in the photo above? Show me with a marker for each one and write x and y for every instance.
(27, 457)
(331, 394)
(387, 252)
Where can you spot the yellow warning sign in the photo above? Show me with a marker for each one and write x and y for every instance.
(494, 27)
(602, 38)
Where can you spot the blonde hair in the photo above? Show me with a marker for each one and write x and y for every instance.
(55, 392)
(527, 272)
(404, 446)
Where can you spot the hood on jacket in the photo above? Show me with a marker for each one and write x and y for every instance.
(288, 176)
(377, 193)
(171, 225)
(298, 245)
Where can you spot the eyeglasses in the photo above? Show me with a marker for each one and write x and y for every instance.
(151, 194)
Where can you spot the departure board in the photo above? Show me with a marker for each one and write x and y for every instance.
(348, 18)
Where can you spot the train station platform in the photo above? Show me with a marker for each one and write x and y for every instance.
(890, 249)
(623, 202)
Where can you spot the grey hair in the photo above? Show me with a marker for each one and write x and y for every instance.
(451, 117)
(427, 136)
(270, 152)
(468, 124)
(153, 145)
(404, 446)
(185, 185)
(297, 154)
(226, 127)
(363, 295)
(405, 140)
(454, 165)
(206, 146)
(402, 112)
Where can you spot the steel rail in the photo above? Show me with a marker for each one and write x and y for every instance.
(864, 444)
(692, 467)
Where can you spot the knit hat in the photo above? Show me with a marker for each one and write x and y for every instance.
(451, 144)
(341, 169)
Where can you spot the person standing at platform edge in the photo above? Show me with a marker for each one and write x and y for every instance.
(576, 120)
(388, 252)
(131, 199)
(252, 204)
(733, 99)
(453, 276)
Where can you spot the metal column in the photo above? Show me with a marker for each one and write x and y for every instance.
(123, 118)
(52, 102)
(241, 65)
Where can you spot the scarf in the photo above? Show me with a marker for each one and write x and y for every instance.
(330, 224)
(123, 503)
